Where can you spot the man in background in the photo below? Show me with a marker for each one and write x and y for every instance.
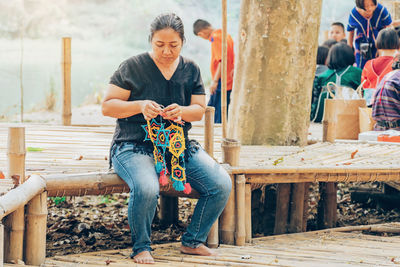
(205, 30)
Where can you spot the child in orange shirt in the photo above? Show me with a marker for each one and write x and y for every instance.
(205, 30)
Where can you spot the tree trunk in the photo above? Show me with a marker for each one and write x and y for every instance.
(274, 72)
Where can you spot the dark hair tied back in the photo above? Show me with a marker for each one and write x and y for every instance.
(360, 3)
(165, 21)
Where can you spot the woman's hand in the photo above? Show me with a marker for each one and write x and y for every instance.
(150, 109)
(173, 112)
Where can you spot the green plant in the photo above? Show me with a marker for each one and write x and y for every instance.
(57, 200)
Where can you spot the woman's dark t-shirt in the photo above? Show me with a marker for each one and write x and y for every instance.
(141, 76)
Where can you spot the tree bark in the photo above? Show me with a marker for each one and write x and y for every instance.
(274, 72)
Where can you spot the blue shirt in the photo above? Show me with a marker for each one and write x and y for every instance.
(364, 34)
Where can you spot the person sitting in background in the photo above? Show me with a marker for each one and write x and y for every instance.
(329, 43)
(337, 32)
(322, 55)
(386, 107)
(374, 70)
(367, 18)
(341, 72)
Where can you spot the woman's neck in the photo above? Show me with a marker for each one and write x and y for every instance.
(387, 52)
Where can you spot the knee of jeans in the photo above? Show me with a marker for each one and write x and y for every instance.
(224, 183)
(146, 191)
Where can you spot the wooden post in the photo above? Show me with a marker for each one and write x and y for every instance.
(66, 80)
(36, 225)
(240, 235)
(231, 153)
(224, 72)
(296, 208)
(212, 239)
(209, 131)
(248, 213)
(169, 210)
(1, 244)
(282, 208)
(15, 221)
(305, 208)
(327, 206)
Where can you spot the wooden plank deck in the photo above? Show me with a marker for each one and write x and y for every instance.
(320, 248)
(75, 149)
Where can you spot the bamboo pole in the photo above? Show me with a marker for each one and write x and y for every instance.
(19, 196)
(66, 79)
(35, 248)
(282, 208)
(1, 244)
(248, 213)
(213, 238)
(305, 209)
(231, 152)
(224, 72)
(21, 72)
(240, 235)
(97, 183)
(209, 131)
(15, 223)
(296, 208)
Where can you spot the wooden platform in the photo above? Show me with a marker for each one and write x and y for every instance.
(321, 248)
(59, 149)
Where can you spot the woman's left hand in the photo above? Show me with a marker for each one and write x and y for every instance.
(173, 112)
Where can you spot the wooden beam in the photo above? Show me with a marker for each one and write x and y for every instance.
(231, 152)
(18, 197)
(327, 206)
(249, 232)
(97, 183)
(16, 168)
(66, 80)
(282, 208)
(1, 244)
(271, 178)
(36, 226)
(224, 77)
(296, 208)
(240, 234)
(213, 235)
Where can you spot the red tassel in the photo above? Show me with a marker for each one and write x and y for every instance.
(188, 189)
(163, 178)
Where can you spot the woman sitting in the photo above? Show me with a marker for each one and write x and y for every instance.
(341, 72)
(374, 70)
(386, 107)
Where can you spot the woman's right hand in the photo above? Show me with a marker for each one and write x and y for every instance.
(150, 109)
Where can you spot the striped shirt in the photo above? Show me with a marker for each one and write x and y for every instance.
(387, 100)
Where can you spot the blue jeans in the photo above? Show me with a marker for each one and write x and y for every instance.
(205, 175)
(215, 101)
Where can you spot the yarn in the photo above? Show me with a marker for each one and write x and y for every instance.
(168, 140)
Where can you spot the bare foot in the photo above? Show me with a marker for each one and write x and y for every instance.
(144, 257)
(202, 250)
